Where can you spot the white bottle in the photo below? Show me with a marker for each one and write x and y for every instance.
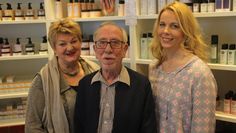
(91, 43)
(204, 5)
(231, 54)
(152, 8)
(77, 9)
(211, 6)
(121, 8)
(234, 5)
(58, 9)
(224, 54)
(144, 47)
(70, 9)
(144, 7)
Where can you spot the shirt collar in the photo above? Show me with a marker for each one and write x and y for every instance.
(123, 77)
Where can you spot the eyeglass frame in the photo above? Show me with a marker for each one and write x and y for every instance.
(103, 46)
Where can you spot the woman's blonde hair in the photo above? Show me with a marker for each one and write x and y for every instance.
(65, 26)
(194, 41)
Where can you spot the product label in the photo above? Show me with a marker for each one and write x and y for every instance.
(227, 106)
(29, 49)
(223, 56)
(196, 7)
(233, 107)
(143, 48)
(231, 57)
(213, 52)
(203, 7)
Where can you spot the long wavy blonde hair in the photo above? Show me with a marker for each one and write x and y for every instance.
(194, 42)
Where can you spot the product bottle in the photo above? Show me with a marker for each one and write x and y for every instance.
(91, 43)
(88, 6)
(152, 8)
(231, 54)
(85, 47)
(17, 48)
(70, 9)
(83, 5)
(196, 5)
(218, 103)
(214, 48)
(203, 5)
(233, 105)
(29, 47)
(58, 9)
(19, 13)
(93, 5)
(121, 8)
(211, 6)
(227, 103)
(8, 13)
(144, 47)
(29, 15)
(1, 43)
(144, 7)
(41, 12)
(43, 46)
(149, 41)
(161, 4)
(77, 9)
(224, 54)
(1, 12)
(6, 48)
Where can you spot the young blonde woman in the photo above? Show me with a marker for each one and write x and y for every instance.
(184, 87)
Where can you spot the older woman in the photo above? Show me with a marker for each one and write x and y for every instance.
(52, 95)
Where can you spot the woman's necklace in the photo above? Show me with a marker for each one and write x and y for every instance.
(71, 74)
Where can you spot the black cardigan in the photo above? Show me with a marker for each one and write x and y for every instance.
(134, 106)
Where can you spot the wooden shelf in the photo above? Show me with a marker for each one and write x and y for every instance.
(23, 57)
(12, 122)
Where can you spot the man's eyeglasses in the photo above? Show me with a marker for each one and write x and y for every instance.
(115, 44)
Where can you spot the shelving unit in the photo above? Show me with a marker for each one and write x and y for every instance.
(221, 23)
(12, 122)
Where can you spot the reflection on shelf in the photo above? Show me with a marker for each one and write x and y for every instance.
(12, 122)
(225, 117)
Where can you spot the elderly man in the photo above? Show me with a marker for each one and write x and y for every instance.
(114, 99)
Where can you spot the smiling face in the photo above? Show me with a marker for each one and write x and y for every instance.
(110, 58)
(169, 31)
(67, 48)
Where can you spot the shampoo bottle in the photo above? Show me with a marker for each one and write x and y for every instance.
(41, 12)
(29, 15)
(231, 54)
(196, 5)
(6, 48)
(233, 105)
(43, 46)
(29, 47)
(77, 9)
(1, 12)
(19, 13)
(224, 54)
(70, 9)
(58, 9)
(8, 14)
(214, 49)
(17, 48)
(121, 8)
(144, 47)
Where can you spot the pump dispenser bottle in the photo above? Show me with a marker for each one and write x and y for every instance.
(29, 47)
(1, 12)
(58, 9)
(41, 12)
(77, 9)
(43, 46)
(8, 14)
(17, 48)
(6, 48)
(29, 15)
(214, 48)
(19, 13)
